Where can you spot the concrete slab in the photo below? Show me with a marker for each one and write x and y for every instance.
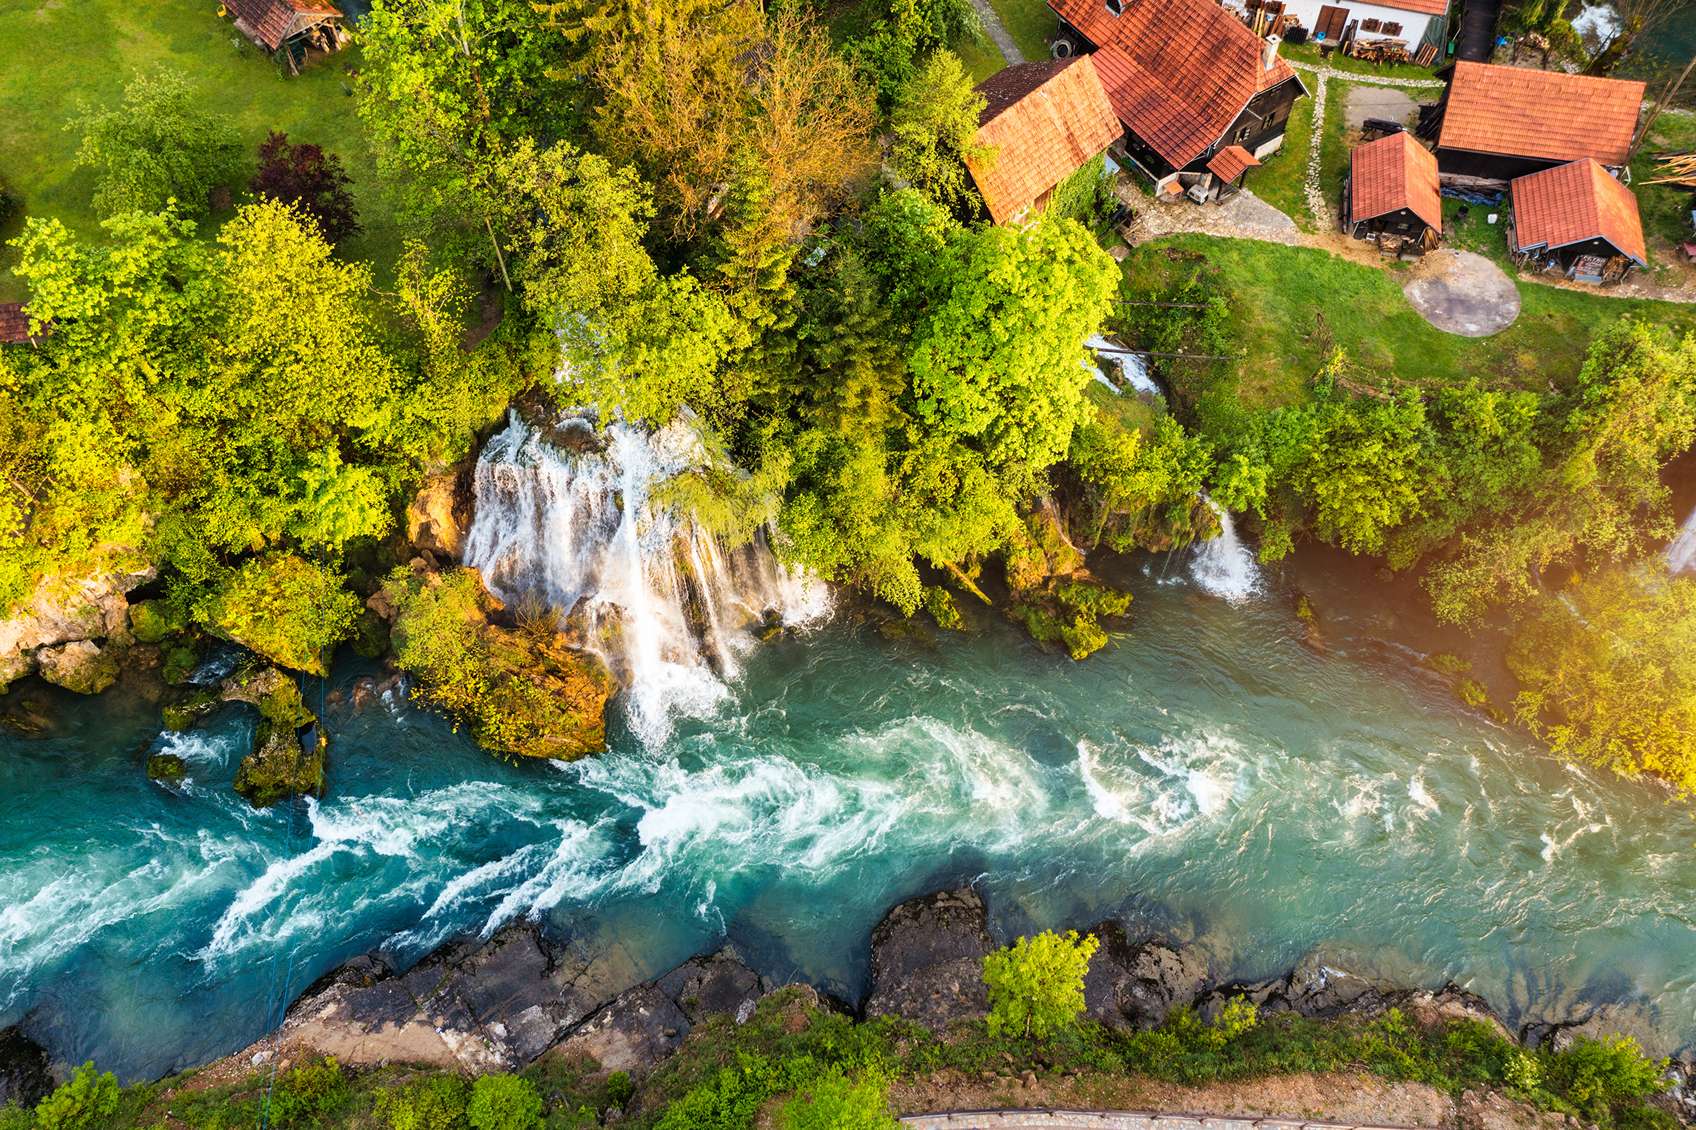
(1462, 293)
(1387, 102)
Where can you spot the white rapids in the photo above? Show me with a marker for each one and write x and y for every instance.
(1223, 565)
(583, 533)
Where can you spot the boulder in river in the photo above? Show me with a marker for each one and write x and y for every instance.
(927, 960)
(82, 666)
(62, 611)
(24, 1077)
(1135, 985)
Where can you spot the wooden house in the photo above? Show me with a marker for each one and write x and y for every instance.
(1041, 122)
(1393, 195)
(14, 325)
(1497, 123)
(1186, 78)
(290, 27)
(1411, 23)
(1579, 220)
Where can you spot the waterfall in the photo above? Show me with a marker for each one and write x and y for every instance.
(1223, 565)
(1133, 367)
(575, 525)
(1681, 552)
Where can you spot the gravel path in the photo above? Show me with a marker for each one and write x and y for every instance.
(1316, 205)
(998, 32)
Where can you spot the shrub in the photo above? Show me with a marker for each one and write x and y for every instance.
(1036, 985)
(436, 1103)
(1600, 1076)
(310, 179)
(504, 1102)
(836, 1102)
(310, 1093)
(86, 1102)
(286, 609)
(157, 145)
(16, 1118)
(620, 1089)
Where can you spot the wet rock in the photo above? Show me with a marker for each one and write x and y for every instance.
(437, 516)
(718, 982)
(279, 766)
(62, 611)
(927, 960)
(166, 768)
(14, 666)
(634, 1034)
(82, 666)
(152, 621)
(1600, 1021)
(1136, 985)
(186, 707)
(24, 1078)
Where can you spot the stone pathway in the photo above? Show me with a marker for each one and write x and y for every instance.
(1371, 79)
(1316, 204)
(1109, 1120)
(1243, 216)
(998, 32)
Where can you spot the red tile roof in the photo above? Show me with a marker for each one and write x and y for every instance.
(274, 22)
(1540, 114)
(1573, 203)
(14, 324)
(1044, 120)
(1232, 162)
(1423, 7)
(1393, 173)
(1178, 72)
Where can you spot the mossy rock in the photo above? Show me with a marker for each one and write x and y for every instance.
(83, 667)
(939, 603)
(154, 621)
(279, 768)
(1069, 613)
(188, 709)
(181, 659)
(166, 768)
(370, 636)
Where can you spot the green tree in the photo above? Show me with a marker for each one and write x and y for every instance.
(158, 144)
(87, 1101)
(1600, 1077)
(1608, 674)
(1036, 985)
(503, 1102)
(285, 608)
(934, 125)
(834, 1101)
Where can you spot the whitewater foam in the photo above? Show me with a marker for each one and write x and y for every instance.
(1223, 565)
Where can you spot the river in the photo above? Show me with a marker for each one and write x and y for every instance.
(1210, 775)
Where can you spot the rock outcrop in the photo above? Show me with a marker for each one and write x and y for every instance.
(82, 666)
(281, 764)
(24, 1077)
(1053, 593)
(437, 516)
(93, 609)
(1136, 985)
(927, 960)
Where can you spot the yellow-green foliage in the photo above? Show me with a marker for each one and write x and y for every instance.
(1036, 985)
(1611, 679)
(837, 1102)
(286, 608)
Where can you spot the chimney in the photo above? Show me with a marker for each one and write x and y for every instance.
(1269, 53)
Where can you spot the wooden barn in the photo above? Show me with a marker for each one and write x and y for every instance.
(1186, 78)
(1497, 123)
(1393, 196)
(293, 28)
(1579, 220)
(1041, 122)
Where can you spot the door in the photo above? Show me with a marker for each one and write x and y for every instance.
(1331, 22)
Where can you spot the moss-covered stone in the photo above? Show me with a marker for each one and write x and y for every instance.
(153, 621)
(188, 708)
(279, 767)
(166, 768)
(1054, 596)
(181, 658)
(370, 636)
(83, 666)
(941, 606)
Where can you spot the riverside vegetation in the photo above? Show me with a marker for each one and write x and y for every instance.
(794, 1064)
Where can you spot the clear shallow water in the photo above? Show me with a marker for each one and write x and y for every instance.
(1209, 776)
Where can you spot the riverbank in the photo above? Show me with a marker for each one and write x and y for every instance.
(1329, 1044)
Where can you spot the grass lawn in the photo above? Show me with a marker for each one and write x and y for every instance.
(1029, 22)
(64, 56)
(1282, 180)
(850, 19)
(1665, 208)
(1474, 232)
(1335, 144)
(1289, 304)
(1307, 54)
(981, 57)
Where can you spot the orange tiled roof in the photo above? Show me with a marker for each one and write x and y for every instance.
(1178, 72)
(273, 22)
(1232, 162)
(1539, 114)
(1044, 120)
(1572, 203)
(1423, 7)
(1393, 173)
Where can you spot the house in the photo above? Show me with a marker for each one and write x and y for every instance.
(14, 325)
(1186, 78)
(1041, 122)
(1577, 219)
(1497, 123)
(290, 26)
(1412, 23)
(1229, 167)
(1393, 194)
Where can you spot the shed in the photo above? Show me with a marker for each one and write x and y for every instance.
(291, 26)
(1229, 167)
(1042, 122)
(1498, 123)
(1579, 220)
(1185, 77)
(14, 325)
(1393, 194)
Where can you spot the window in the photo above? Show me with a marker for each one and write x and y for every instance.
(1370, 25)
(1244, 134)
(1392, 29)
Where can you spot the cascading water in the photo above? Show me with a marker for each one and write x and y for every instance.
(1223, 565)
(1681, 553)
(1133, 367)
(577, 526)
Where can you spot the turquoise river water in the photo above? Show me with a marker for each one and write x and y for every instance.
(1211, 775)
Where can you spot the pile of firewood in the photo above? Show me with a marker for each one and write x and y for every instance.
(1679, 169)
(1381, 51)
